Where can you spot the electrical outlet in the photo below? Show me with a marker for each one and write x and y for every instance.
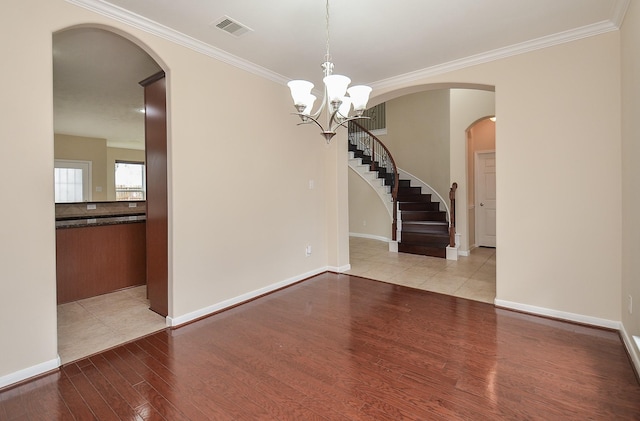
(630, 305)
(307, 251)
(364, 223)
(91, 206)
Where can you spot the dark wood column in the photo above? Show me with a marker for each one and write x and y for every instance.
(155, 99)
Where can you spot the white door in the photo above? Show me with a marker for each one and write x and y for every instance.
(485, 180)
(72, 181)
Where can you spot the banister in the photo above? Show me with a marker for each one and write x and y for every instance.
(376, 148)
(452, 216)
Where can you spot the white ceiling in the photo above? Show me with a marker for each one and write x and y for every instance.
(95, 86)
(372, 41)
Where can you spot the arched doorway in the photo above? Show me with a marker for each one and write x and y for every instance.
(98, 106)
(481, 178)
(473, 275)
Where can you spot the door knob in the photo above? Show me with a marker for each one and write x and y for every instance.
(481, 204)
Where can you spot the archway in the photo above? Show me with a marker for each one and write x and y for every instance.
(481, 148)
(467, 103)
(98, 100)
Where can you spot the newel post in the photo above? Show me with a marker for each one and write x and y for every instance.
(452, 215)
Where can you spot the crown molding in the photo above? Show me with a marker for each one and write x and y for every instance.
(140, 22)
(147, 25)
(619, 11)
(500, 53)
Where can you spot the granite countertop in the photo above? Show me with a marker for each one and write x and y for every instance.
(92, 222)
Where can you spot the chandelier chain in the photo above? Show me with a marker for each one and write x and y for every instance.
(327, 57)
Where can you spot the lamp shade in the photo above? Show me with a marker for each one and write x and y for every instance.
(359, 96)
(300, 91)
(336, 86)
(345, 106)
(308, 105)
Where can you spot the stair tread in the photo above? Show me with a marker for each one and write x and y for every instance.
(445, 223)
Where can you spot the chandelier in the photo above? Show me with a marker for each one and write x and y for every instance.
(336, 102)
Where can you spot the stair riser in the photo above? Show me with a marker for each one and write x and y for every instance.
(422, 250)
(419, 206)
(414, 198)
(407, 227)
(424, 216)
(411, 191)
(431, 239)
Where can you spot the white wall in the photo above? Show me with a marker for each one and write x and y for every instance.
(250, 187)
(368, 216)
(557, 142)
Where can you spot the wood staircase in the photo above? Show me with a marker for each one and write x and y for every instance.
(424, 227)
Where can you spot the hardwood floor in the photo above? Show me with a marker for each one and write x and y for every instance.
(340, 347)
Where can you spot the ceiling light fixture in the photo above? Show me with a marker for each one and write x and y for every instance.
(335, 100)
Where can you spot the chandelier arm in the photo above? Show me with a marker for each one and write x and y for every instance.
(322, 105)
(308, 119)
(345, 121)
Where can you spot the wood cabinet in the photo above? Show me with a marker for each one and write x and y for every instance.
(157, 208)
(95, 260)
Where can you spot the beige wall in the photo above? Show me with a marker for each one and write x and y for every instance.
(418, 136)
(368, 216)
(251, 187)
(631, 169)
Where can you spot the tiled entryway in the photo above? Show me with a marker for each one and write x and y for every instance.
(472, 277)
(97, 323)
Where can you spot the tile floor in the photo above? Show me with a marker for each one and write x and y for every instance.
(98, 323)
(472, 277)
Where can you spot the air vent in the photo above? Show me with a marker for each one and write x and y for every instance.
(231, 26)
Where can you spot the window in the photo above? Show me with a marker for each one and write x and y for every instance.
(72, 181)
(130, 180)
(377, 122)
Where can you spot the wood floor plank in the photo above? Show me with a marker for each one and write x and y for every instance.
(338, 347)
(177, 394)
(92, 397)
(74, 401)
(119, 383)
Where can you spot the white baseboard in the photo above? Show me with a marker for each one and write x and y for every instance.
(452, 253)
(339, 269)
(632, 343)
(370, 236)
(547, 312)
(186, 318)
(29, 372)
